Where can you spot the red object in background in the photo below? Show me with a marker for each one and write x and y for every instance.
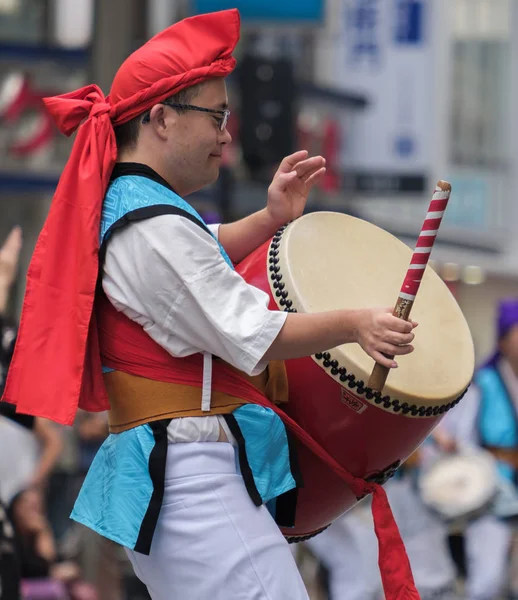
(453, 286)
(322, 135)
(33, 132)
(331, 152)
(39, 133)
(16, 95)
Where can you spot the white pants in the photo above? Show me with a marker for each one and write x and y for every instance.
(487, 543)
(211, 542)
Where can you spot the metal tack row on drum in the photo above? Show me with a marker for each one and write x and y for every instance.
(326, 261)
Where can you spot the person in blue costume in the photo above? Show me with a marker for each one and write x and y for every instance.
(488, 418)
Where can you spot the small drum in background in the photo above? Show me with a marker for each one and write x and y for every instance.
(325, 261)
(461, 486)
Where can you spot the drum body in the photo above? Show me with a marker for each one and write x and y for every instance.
(325, 261)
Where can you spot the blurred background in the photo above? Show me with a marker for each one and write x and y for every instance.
(395, 94)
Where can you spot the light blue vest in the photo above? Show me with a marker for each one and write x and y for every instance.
(498, 421)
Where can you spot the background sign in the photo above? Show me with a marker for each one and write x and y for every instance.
(382, 49)
(290, 12)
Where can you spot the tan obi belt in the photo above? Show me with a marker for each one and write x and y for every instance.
(136, 400)
(506, 455)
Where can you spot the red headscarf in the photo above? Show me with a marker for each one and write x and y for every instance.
(56, 365)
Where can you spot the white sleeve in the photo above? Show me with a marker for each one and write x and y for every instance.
(167, 274)
(214, 229)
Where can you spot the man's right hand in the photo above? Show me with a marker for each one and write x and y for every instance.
(379, 333)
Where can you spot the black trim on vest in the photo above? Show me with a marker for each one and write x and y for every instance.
(246, 470)
(294, 459)
(133, 168)
(157, 463)
(286, 508)
(286, 505)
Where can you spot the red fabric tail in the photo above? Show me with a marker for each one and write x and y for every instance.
(396, 574)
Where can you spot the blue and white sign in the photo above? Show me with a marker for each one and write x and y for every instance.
(383, 50)
(309, 12)
(363, 26)
(409, 22)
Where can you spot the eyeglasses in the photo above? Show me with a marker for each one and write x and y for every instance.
(222, 120)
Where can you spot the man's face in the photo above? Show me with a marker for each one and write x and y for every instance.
(195, 145)
(509, 345)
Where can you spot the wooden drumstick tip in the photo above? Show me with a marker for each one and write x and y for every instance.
(444, 186)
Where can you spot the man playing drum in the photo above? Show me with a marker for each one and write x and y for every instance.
(184, 342)
(487, 418)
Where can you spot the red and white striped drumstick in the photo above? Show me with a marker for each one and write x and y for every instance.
(416, 269)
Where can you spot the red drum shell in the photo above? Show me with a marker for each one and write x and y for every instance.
(366, 440)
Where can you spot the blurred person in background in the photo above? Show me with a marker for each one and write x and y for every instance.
(29, 446)
(175, 482)
(9, 558)
(99, 557)
(38, 555)
(487, 418)
(348, 549)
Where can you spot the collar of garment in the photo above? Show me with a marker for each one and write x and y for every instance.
(133, 168)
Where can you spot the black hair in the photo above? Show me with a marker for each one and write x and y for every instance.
(126, 135)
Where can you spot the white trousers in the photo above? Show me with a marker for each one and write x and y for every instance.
(211, 542)
(487, 543)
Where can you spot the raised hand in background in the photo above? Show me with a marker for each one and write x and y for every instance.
(9, 257)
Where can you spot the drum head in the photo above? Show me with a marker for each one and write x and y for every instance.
(461, 485)
(333, 261)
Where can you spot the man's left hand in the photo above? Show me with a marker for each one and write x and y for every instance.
(291, 185)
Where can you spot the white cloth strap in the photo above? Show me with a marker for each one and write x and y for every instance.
(207, 382)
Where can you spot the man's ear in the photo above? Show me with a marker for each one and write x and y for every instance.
(157, 119)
